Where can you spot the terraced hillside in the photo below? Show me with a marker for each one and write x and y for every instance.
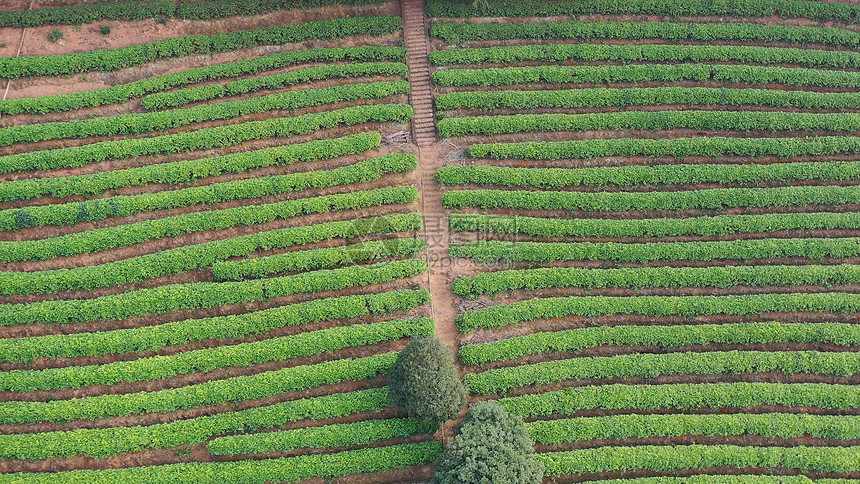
(211, 261)
(639, 224)
(659, 201)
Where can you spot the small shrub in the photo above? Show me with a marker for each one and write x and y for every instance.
(491, 445)
(23, 218)
(55, 35)
(104, 29)
(424, 381)
(161, 19)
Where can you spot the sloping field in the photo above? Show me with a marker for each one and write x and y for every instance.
(661, 203)
(217, 231)
(211, 263)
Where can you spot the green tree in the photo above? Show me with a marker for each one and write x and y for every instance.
(490, 446)
(424, 381)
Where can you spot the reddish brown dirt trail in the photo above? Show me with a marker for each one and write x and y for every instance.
(424, 135)
(416, 37)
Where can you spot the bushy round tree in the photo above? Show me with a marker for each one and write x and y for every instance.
(424, 381)
(490, 446)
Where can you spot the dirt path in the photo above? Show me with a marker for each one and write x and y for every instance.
(424, 135)
(417, 38)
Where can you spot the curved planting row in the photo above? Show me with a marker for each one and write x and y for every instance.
(835, 11)
(181, 97)
(123, 206)
(210, 262)
(661, 199)
(136, 55)
(124, 92)
(458, 33)
(642, 73)
(813, 249)
(202, 139)
(740, 305)
(139, 123)
(648, 96)
(189, 171)
(650, 120)
(292, 469)
(667, 337)
(138, 10)
(134, 233)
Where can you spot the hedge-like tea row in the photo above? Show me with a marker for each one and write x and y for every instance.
(549, 308)
(139, 10)
(229, 8)
(209, 359)
(637, 73)
(203, 139)
(781, 425)
(558, 53)
(139, 123)
(124, 205)
(182, 172)
(676, 148)
(774, 122)
(669, 8)
(154, 338)
(326, 436)
(110, 441)
(674, 336)
(645, 96)
(136, 55)
(493, 283)
(683, 457)
(306, 260)
(200, 256)
(212, 392)
(292, 469)
(503, 380)
(637, 175)
(201, 295)
(549, 252)
(708, 199)
(82, 14)
(459, 33)
(683, 397)
(727, 479)
(661, 227)
(121, 93)
(181, 97)
(129, 234)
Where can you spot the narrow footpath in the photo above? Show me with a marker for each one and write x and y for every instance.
(424, 135)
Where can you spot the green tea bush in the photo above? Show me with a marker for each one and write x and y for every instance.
(105, 442)
(123, 92)
(292, 469)
(741, 305)
(682, 397)
(668, 8)
(662, 227)
(136, 55)
(548, 252)
(154, 338)
(649, 365)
